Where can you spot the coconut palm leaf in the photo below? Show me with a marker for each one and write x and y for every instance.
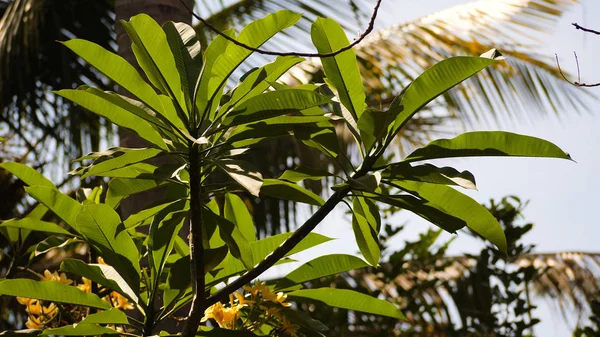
(32, 63)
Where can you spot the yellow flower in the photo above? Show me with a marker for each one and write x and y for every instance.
(289, 329)
(273, 311)
(243, 301)
(86, 286)
(50, 311)
(215, 312)
(121, 302)
(280, 297)
(34, 307)
(225, 317)
(256, 288)
(230, 317)
(24, 300)
(34, 322)
(101, 260)
(62, 278)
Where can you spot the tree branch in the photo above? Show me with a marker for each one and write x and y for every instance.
(196, 247)
(361, 37)
(587, 30)
(578, 83)
(282, 250)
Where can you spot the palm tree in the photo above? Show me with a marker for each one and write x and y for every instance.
(42, 129)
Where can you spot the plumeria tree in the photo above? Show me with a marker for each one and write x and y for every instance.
(132, 280)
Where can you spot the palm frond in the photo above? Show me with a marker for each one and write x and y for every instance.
(529, 81)
(32, 63)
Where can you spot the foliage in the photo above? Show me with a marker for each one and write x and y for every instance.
(184, 114)
(483, 294)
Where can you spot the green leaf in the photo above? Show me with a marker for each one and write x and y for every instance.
(373, 126)
(52, 291)
(186, 50)
(348, 299)
(117, 69)
(115, 113)
(488, 144)
(259, 80)
(35, 225)
(161, 239)
(428, 173)
(321, 137)
(230, 233)
(366, 224)
(118, 158)
(435, 81)
(260, 250)
(341, 70)
(243, 173)
(81, 330)
(320, 267)
(458, 205)
(178, 280)
(214, 50)
(285, 190)
(102, 274)
(110, 316)
(28, 175)
(102, 226)
(237, 212)
(154, 56)
(253, 35)
(62, 205)
(272, 104)
(137, 218)
(301, 173)
(48, 244)
(367, 183)
(120, 188)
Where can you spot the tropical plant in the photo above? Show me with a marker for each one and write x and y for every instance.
(206, 132)
(482, 294)
(32, 63)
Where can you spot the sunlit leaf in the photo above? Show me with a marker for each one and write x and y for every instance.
(428, 173)
(458, 205)
(486, 144)
(102, 274)
(52, 291)
(365, 224)
(285, 190)
(320, 267)
(348, 299)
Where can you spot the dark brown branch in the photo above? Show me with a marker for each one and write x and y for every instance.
(292, 241)
(361, 37)
(587, 30)
(281, 251)
(577, 83)
(196, 247)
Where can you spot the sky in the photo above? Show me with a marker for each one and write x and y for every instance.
(562, 194)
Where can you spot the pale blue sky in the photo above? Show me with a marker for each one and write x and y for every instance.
(562, 196)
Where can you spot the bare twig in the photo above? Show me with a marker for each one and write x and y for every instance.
(361, 37)
(587, 30)
(577, 83)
